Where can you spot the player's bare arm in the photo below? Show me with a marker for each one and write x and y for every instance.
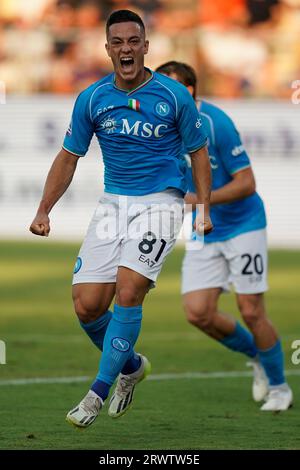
(241, 186)
(57, 182)
(202, 180)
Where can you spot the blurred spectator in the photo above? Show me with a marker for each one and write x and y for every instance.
(260, 10)
(242, 47)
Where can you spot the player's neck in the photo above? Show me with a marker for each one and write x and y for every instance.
(129, 85)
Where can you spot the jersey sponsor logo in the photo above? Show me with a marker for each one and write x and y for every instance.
(104, 109)
(69, 131)
(145, 129)
(198, 123)
(109, 125)
(120, 344)
(78, 265)
(188, 160)
(162, 108)
(237, 150)
(212, 160)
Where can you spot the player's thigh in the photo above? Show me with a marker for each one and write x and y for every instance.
(200, 304)
(248, 261)
(92, 299)
(252, 307)
(152, 234)
(131, 287)
(204, 267)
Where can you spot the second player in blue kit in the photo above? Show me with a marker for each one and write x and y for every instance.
(234, 252)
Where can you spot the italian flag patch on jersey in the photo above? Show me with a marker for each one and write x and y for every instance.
(134, 104)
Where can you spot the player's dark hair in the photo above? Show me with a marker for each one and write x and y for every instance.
(185, 73)
(124, 16)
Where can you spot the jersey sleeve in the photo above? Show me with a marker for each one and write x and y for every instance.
(230, 146)
(189, 122)
(81, 128)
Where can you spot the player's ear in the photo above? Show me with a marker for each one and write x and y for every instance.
(191, 89)
(146, 47)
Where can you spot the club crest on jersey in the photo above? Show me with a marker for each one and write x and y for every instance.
(78, 265)
(162, 108)
(120, 344)
(109, 125)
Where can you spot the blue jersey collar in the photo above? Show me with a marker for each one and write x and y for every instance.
(141, 85)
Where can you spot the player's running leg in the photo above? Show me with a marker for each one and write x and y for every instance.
(205, 274)
(202, 311)
(120, 337)
(247, 256)
(127, 380)
(91, 303)
(269, 349)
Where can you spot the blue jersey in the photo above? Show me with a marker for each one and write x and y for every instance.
(140, 133)
(227, 156)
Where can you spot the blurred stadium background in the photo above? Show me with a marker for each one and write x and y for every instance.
(247, 55)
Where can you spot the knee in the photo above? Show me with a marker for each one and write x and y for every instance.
(86, 308)
(252, 312)
(127, 296)
(201, 316)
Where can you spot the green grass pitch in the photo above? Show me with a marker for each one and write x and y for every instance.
(43, 339)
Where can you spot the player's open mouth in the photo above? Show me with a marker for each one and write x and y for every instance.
(126, 63)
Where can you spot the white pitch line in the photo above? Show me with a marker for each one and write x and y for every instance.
(154, 377)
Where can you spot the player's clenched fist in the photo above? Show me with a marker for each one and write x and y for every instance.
(40, 225)
(203, 224)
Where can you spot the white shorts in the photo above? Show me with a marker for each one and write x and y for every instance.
(242, 261)
(137, 232)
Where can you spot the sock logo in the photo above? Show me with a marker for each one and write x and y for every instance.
(120, 344)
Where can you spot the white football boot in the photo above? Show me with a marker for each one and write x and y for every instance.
(122, 397)
(278, 399)
(260, 384)
(84, 414)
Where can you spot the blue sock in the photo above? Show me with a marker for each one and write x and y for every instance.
(273, 362)
(241, 340)
(120, 338)
(96, 331)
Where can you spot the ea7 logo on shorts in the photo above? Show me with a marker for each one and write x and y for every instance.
(2, 353)
(120, 344)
